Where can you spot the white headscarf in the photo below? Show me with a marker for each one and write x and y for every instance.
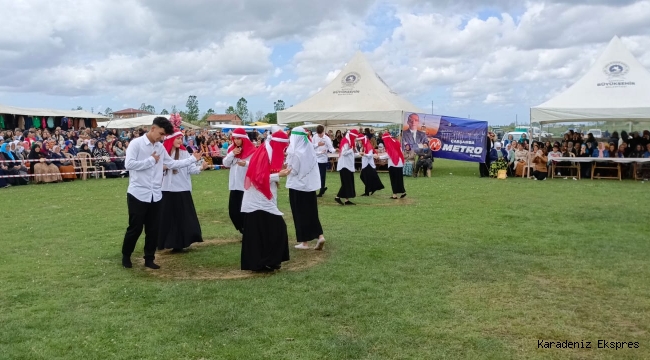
(301, 158)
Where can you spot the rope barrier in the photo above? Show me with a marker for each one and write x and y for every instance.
(99, 172)
(64, 159)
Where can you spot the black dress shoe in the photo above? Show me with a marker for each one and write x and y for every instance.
(338, 200)
(365, 195)
(403, 196)
(176, 251)
(349, 203)
(126, 262)
(151, 265)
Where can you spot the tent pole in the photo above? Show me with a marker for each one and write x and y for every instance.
(530, 141)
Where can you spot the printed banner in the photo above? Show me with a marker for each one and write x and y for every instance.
(447, 137)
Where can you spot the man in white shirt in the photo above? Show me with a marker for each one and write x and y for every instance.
(145, 158)
(322, 145)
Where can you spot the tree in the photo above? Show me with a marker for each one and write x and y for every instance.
(78, 108)
(192, 112)
(148, 108)
(108, 112)
(164, 112)
(230, 110)
(278, 105)
(242, 109)
(259, 115)
(207, 115)
(271, 118)
(174, 110)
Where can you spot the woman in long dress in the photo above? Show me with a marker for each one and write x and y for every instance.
(345, 167)
(265, 244)
(179, 224)
(237, 159)
(302, 182)
(395, 165)
(43, 169)
(369, 175)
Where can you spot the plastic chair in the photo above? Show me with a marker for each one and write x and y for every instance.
(87, 166)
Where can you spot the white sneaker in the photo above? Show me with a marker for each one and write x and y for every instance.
(302, 246)
(535, 179)
(320, 244)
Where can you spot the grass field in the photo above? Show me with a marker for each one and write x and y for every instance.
(463, 268)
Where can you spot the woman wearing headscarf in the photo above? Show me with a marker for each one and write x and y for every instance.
(369, 175)
(238, 159)
(265, 244)
(65, 166)
(103, 159)
(409, 160)
(498, 160)
(395, 165)
(11, 167)
(302, 181)
(180, 226)
(69, 148)
(345, 167)
(43, 169)
(203, 148)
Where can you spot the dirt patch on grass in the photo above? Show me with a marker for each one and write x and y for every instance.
(173, 268)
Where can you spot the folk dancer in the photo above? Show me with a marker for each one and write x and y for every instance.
(369, 175)
(265, 244)
(395, 165)
(302, 182)
(345, 167)
(239, 155)
(145, 158)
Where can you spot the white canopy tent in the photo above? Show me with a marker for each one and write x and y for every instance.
(81, 114)
(138, 122)
(357, 95)
(615, 89)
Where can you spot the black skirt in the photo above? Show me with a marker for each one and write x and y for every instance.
(347, 190)
(304, 209)
(179, 225)
(234, 209)
(371, 179)
(265, 242)
(396, 179)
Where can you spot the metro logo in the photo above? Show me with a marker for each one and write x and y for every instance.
(463, 149)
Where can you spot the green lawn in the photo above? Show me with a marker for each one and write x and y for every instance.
(464, 268)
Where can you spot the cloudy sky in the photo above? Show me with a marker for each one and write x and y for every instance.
(489, 62)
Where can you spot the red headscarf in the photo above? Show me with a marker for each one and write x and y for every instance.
(247, 147)
(349, 139)
(367, 145)
(169, 142)
(267, 159)
(393, 149)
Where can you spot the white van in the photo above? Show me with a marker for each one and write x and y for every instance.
(596, 132)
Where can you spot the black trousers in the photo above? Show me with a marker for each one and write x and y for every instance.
(141, 214)
(322, 168)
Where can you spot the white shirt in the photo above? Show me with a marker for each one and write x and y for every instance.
(346, 160)
(180, 181)
(390, 161)
(309, 183)
(237, 173)
(145, 175)
(254, 200)
(368, 159)
(321, 151)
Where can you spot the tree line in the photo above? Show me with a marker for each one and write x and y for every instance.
(193, 115)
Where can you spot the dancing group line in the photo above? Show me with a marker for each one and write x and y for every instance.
(159, 196)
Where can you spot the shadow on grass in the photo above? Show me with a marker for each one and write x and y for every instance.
(202, 264)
